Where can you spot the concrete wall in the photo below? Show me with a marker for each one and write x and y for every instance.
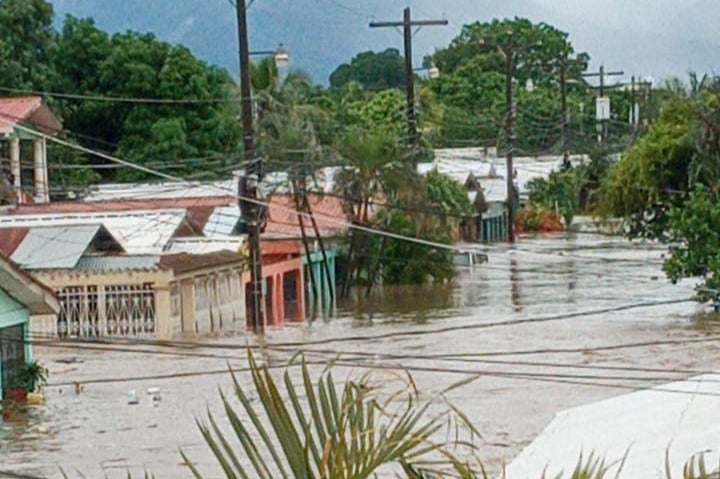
(158, 280)
(208, 302)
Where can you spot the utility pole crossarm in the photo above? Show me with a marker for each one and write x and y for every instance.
(414, 23)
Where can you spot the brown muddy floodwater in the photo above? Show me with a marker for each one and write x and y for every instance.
(534, 288)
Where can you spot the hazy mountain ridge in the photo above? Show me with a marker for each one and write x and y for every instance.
(321, 34)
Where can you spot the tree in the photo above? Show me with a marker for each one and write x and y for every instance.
(694, 236)
(559, 192)
(653, 175)
(27, 42)
(195, 121)
(472, 86)
(374, 71)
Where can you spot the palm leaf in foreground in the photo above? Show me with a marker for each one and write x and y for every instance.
(315, 431)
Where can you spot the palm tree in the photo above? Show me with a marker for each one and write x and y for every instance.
(315, 431)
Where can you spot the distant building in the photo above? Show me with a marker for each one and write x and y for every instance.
(483, 174)
(25, 120)
(21, 297)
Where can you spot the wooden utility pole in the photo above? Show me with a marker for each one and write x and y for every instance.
(249, 181)
(407, 24)
(508, 52)
(564, 108)
(602, 74)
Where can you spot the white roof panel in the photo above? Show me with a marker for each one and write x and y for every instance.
(54, 247)
(205, 245)
(681, 419)
(223, 221)
(139, 232)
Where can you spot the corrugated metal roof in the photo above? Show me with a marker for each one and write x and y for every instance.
(204, 245)
(139, 232)
(96, 263)
(222, 221)
(679, 419)
(54, 247)
(160, 190)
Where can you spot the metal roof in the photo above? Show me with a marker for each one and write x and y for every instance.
(96, 263)
(160, 190)
(680, 419)
(223, 221)
(26, 290)
(204, 245)
(139, 232)
(55, 247)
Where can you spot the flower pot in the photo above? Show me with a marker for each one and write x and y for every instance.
(19, 395)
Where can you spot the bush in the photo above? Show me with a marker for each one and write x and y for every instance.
(537, 219)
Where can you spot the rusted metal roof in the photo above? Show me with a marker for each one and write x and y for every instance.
(187, 263)
(10, 239)
(328, 211)
(27, 109)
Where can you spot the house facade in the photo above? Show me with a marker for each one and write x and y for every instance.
(21, 297)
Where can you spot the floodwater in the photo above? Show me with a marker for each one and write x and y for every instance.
(545, 321)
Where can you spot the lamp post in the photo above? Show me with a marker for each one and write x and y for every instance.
(433, 72)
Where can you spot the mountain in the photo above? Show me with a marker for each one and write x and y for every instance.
(645, 37)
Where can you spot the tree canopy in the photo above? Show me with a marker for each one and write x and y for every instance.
(374, 71)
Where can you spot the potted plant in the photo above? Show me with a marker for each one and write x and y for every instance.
(26, 380)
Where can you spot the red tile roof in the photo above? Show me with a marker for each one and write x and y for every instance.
(327, 210)
(10, 239)
(32, 109)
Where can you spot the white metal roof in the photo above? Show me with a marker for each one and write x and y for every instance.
(54, 247)
(681, 418)
(139, 232)
(222, 221)
(162, 190)
(204, 245)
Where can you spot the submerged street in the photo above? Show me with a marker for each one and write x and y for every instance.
(547, 324)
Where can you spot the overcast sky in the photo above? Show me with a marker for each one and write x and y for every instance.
(657, 38)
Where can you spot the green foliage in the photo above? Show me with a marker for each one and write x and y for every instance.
(472, 85)
(70, 174)
(649, 177)
(374, 71)
(27, 42)
(30, 378)
(134, 65)
(302, 428)
(384, 110)
(448, 197)
(694, 234)
(559, 192)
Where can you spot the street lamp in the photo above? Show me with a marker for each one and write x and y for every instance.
(433, 72)
(280, 55)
